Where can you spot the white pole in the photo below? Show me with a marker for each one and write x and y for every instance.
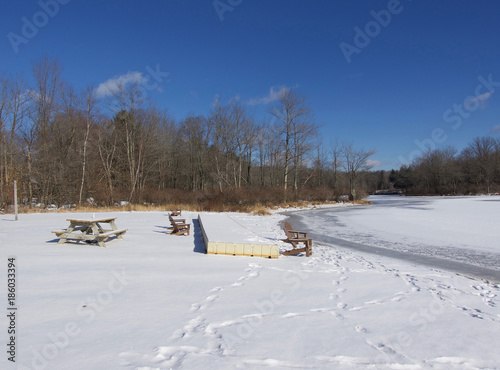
(15, 199)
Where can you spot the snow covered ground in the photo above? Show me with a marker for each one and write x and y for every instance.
(154, 301)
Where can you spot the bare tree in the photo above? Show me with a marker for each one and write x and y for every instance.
(480, 156)
(304, 134)
(293, 120)
(17, 111)
(107, 144)
(260, 139)
(168, 157)
(244, 131)
(28, 135)
(90, 104)
(320, 164)
(355, 161)
(435, 171)
(45, 98)
(132, 130)
(152, 122)
(3, 135)
(195, 133)
(48, 85)
(336, 162)
(219, 121)
(268, 143)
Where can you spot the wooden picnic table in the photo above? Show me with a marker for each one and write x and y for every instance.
(90, 231)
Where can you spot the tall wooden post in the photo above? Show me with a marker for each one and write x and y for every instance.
(15, 199)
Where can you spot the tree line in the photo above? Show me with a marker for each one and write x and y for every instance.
(69, 147)
(475, 170)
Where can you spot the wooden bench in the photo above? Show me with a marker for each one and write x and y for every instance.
(176, 220)
(83, 229)
(179, 226)
(295, 238)
(175, 212)
(102, 238)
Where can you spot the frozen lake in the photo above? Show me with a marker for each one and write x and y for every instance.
(460, 234)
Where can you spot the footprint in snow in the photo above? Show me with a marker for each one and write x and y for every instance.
(360, 329)
(195, 307)
(397, 298)
(178, 334)
(338, 315)
(212, 297)
(474, 312)
(253, 315)
(289, 315)
(321, 309)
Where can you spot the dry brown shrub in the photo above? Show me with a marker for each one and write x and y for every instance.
(261, 210)
(362, 201)
(245, 199)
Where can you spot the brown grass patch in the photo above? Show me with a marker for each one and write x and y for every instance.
(253, 200)
(256, 209)
(362, 201)
(261, 210)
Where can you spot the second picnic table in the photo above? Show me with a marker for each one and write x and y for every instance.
(90, 231)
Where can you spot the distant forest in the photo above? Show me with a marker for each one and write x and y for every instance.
(65, 147)
(475, 170)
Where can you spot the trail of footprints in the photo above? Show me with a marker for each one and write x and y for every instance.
(488, 292)
(173, 356)
(199, 323)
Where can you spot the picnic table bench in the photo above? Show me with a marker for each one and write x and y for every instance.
(90, 231)
(294, 238)
(179, 226)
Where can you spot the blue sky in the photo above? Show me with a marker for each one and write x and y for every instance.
(396, 76)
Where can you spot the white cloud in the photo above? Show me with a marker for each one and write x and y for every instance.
(479, 101)
(495, 130)
(31, 94)
(113, 84)
(235, 99)
(274, 94)
(373, 163)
